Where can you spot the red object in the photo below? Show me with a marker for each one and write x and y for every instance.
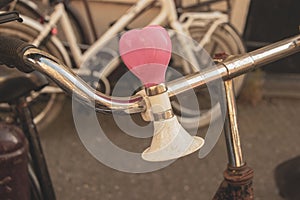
(54, 31)
(147, 53)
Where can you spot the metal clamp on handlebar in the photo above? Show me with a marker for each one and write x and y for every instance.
(160, 107)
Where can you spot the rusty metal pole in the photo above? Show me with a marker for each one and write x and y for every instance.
(237, 184)
(231, 130)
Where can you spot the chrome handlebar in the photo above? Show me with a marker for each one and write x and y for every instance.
(230, 68)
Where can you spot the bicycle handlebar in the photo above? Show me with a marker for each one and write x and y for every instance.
(12, 52)
(237, 65)
(26, 58)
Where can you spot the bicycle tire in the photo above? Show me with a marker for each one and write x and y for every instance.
(226, 40)
(27, 8)
(45, 113)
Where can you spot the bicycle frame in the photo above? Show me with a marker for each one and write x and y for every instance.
(203, 19)
(167, 13)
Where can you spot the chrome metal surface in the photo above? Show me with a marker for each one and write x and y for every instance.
(228, 69)
(236, 65)
(241, 64)
(199, 79)
(231, 130)
(76, 87)
(156, 89)
(168, 114)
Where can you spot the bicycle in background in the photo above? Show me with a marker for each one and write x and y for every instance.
(211, 30)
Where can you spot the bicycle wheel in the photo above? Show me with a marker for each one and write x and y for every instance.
(223, 40)
(27, 8)
(45, 106)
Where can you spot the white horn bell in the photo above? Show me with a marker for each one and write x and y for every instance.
(170, 139)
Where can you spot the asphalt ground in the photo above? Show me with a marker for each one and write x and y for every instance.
(269, 127)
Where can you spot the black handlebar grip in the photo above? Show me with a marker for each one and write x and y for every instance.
(12, 51)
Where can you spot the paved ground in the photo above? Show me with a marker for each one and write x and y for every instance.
(270, 135)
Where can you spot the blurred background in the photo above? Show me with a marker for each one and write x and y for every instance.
(268, 115)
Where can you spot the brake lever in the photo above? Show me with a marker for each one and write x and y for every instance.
(10, 16)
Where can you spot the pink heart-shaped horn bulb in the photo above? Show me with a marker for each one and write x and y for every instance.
(147, 53)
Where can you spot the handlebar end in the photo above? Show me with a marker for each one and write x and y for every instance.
(12, 51)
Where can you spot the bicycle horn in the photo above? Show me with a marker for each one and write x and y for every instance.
(146, 53)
